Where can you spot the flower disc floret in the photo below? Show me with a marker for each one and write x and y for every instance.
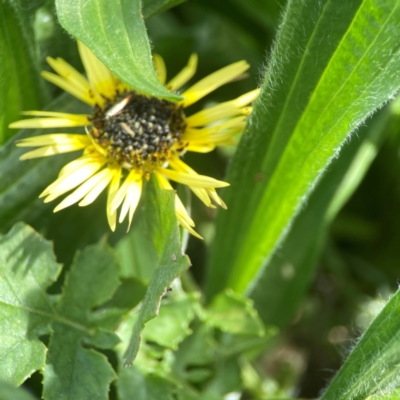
(138, 131)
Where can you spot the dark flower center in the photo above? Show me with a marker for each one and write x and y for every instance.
(139, 131)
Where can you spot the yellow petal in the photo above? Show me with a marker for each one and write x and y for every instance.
(34, 123)
(100, 186)
(112, 191)
(200, 148)
(185, 75)
(213, 81)
(214, 196)
(193, 180)
(52, 150)
(68, 87)
(123, 190)
(131, 201)
(93, 182)
(70, 181)
(53, 139)
(99, 75)
(84, 118)
(68, 72)
(203, 196)
(223, 110)
(204, 133)
(160, 68)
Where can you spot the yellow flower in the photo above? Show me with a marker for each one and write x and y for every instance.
(131, 136)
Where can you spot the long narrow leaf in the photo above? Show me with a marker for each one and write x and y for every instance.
(333, 64)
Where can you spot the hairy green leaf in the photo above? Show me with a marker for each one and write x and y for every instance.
(300, 122)
(28, 268)
(115, 32)
(372, 368)
(20, 87)
(287, 275)
(159, 214)
(91, 281)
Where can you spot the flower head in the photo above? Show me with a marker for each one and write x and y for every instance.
(130, 136)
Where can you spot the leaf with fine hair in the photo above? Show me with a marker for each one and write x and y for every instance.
(372, 368)
(115, 32)
(299, 123)
(290, 271)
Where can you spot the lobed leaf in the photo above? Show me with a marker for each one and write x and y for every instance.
(300, 122)
(115, 32)
(27, 269)
(71, 370)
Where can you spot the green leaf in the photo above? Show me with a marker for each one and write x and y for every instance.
(172, 323)
(373, 366)
(10, 392)
(115, 32)
(390, 395)
(153, 7)
(287, 275)
(159, 213)
(28, 312)
(19, 78)
(28, 268)
(91, 281)
(300, 122)
(136, 254)
(132, 384)
(234, 314)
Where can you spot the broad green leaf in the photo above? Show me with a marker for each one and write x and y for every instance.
(115, 32)
(28, 312)
(300, 122)
(10, 392)
(234, 314)
(287, 275)
(133, 384)
(71, 370)
(160, 215)
(28, 268)
(372, 368)
(172, 323)
(20, 87)
(153, 7)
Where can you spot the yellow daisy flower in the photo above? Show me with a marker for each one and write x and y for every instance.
(131, 136)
